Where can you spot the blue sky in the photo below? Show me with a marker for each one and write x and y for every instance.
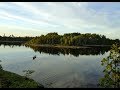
(36, 18)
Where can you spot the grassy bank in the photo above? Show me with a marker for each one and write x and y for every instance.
(12, 80)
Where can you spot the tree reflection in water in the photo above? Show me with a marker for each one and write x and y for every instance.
(1, 65)
(111, 72)
(28, 73)
(72, 51)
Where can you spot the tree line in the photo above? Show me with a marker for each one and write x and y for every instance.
(13, 38)
(73, 39)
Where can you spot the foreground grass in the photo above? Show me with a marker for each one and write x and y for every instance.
(12, 80)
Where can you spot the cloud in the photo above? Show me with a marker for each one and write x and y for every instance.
(64, 16)
(29, 7)
(6, 15)
(20, 31)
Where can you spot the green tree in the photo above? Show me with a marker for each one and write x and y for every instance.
(111, 77)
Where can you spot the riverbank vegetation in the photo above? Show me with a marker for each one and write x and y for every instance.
(111, 72)
(12, 80)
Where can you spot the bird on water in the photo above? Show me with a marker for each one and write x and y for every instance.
(34, 57)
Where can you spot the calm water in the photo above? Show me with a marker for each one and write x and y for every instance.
(56, 67)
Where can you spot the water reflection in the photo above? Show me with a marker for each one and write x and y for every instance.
(74, 52)
(1, 65)
(53, 70)
(28, 73)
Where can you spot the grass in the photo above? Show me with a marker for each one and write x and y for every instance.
(12, 80)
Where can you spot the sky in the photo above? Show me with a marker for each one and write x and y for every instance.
(36, 18)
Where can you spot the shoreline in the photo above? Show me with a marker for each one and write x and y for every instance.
(61, 46)
(13, 80)
(57, 46)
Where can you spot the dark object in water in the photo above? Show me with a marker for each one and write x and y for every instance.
(34, 57)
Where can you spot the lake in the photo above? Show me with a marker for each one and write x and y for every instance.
(55, 67)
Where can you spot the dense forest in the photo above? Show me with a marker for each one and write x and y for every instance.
(72, 39)
(15, 39)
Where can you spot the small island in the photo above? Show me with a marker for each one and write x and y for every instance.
(71, 40)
